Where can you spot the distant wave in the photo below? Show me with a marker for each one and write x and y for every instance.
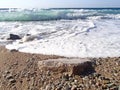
(57, 14)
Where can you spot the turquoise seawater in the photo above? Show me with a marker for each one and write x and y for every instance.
(14, 14)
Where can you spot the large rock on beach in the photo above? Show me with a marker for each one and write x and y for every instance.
(13, 37)
(72, 66)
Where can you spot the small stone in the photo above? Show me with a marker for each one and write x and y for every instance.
(102, 78)
(98, 63)
(114, 88)
(14, 88)
(110, 84)
(86, 85)
(75, 81)
(48, 87)
(66, 87)
(115, 74)
(74, 87)
(106, 81)
(70, 75)
(85, 78)
(65, 77)
(57, 82)
(59, 87)
(104, 87)
(12, 80)
(98, 84)
(117, 63)
(97, 75)
(53, 87)
(7, 72)
(48, 73)
(4, 75)
(71, 79)
(13, 50)
(27, 60)
(9, 76)
(16, 63)
(32, 81)
(81, 85)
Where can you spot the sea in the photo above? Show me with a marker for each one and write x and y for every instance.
(69, 32)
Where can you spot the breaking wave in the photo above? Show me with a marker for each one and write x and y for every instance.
(57, 14)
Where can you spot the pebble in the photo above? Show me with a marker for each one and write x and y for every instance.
(117, 63)
(12, 80)
(66, 87)
(13, 50)
(59, 87)
(48, 73)
(65, 77)
(16, 63)
(104, 87)
(74, 87)
(9, 76)
(106, 81)
(115, 74)
(75, 81)
(48, 87)
(7, 72)
(110, 84)
(32, 81)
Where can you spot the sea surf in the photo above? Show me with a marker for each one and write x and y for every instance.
(70, 32)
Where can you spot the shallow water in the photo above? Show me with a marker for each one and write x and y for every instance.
(89, 37)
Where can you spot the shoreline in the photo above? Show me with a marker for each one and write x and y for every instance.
(20, 71)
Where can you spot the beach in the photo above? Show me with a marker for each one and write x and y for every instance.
(60, 49)
(19, 71)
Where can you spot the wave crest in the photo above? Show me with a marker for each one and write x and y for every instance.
(57, 14)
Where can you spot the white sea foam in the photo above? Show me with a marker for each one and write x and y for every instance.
(71, 38)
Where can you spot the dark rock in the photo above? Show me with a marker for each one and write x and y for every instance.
(13, 50)
(13, 37)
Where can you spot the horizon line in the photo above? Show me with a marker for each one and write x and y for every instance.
(62, 7)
